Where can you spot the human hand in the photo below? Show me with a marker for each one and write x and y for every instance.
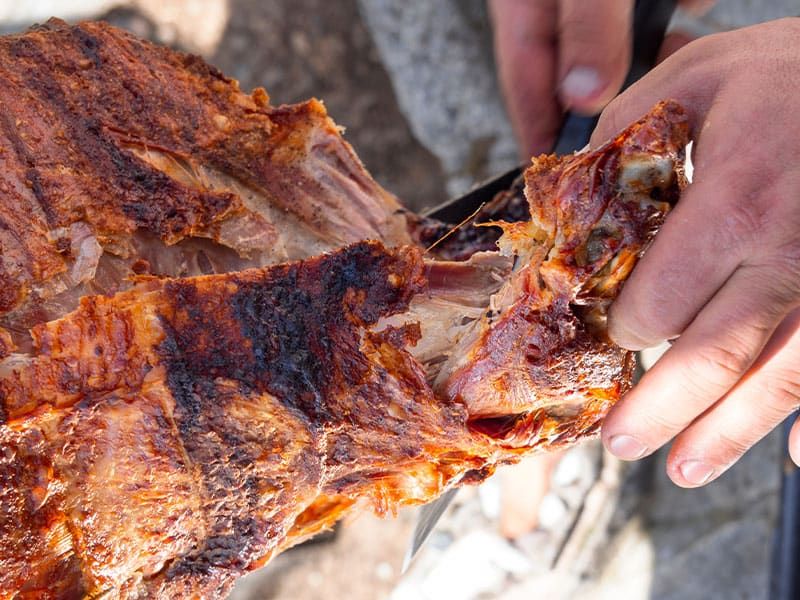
(723, 275)
(554, 55)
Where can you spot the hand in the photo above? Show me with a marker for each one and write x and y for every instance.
(723, 275)
(554, 55)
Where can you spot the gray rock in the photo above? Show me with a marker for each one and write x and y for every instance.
(729, 562)
(717, 539)
(439, 56)
(297, 49)
(712, 542)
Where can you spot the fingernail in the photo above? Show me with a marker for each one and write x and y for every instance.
(696, 472)
(626, 447)
(581, 83)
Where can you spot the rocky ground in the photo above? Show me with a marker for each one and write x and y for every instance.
(414, 84)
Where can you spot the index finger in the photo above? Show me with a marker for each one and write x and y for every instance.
(525, 48)
(702, 365)
(679, 77)
(594, 51)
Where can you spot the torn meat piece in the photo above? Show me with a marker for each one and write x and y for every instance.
(541, 351)
(181, 399)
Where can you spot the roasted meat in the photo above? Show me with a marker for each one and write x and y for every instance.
(220, 335)
(119, 157)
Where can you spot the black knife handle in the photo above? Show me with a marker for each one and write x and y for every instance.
(650, 21)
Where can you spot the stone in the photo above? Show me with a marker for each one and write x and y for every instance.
(552, 511)
(299, 49)
(477, 563)
(439, 55)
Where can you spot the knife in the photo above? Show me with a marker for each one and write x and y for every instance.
(650, 21)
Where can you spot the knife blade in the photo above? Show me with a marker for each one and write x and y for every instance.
(428, 517)
(650, 21)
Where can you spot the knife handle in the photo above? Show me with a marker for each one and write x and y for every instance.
(650, 21)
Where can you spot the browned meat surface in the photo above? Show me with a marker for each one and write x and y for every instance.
(112, 148)
(159, 442)
(176, 407)
(540, 351)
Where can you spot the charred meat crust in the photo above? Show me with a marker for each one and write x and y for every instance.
(293, 332)
(69, 155)
(243, 421)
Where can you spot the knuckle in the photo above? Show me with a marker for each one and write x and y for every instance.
(656, 427)
(743, 223)
(786, 263)
(714, 369)
(782, 390)
(729, 448)
(778, 275)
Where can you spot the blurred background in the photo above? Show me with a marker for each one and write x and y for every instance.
(414, 83)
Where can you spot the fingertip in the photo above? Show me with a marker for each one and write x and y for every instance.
(618, 437)
(794, 442)
(583, 89)
(594, 52)
(625, 336)
(691, 473)
(626, 447)
(697, 458)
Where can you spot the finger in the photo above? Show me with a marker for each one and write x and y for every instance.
(754, 407)
(702, 365)
(672, 43)
(524, 39)
(594, 51)
(697, 7)
(794, 442)
(733, 212)
(681, 77)
(697, 249)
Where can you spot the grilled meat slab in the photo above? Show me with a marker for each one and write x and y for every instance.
(162, 440)
(178, 403)
(119, 157)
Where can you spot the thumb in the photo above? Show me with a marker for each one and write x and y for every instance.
(594, 51)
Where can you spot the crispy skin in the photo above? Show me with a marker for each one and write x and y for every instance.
(163, 441)
(160, 436)
(254, 399)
